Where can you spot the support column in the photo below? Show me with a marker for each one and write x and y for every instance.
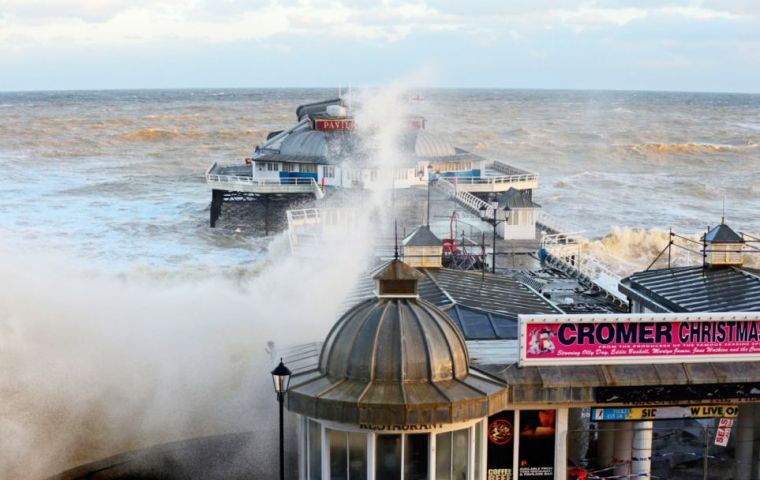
(560, 443)
(745, 433)
(217, 198)
(605, 443)
(623, 444)
(642, 449)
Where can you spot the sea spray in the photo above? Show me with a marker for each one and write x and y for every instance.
(97, 365)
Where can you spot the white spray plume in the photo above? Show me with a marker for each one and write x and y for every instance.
(97, 364)
(94, 366)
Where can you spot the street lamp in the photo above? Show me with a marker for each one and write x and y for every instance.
(281, 378)
(493, 221)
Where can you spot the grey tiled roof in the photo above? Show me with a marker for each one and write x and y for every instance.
(694, 289)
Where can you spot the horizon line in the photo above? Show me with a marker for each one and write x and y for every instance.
(335, 87)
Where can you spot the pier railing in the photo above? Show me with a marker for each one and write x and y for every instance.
(263, 185)
(493, 179)
(508, 169)
(468, 200)
(313, 226)
(553, 225)
(566, 252)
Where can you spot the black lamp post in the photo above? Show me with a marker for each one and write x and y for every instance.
(281, 378)
(493, 221)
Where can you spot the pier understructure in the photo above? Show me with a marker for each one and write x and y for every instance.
(234, 185)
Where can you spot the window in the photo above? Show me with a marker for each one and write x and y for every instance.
(348, 455)
(388, 457)
(273, 167)
(315, 450)
(357, 456)
(328, 172)
(416, 456)
(289, 167)
(308, 168)
(452, 455)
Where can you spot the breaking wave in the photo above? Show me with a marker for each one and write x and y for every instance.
(629, 250)
(688, 147)
(159, 134)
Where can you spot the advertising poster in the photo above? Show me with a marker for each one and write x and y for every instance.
(613, 339)
(723, 432)
(663, 413)
(501, 436)
(536, 447)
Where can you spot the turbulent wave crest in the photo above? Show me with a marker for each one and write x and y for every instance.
(158, 134)
(664, 148)
(630, 250)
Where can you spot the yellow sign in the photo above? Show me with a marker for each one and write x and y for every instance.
(664, 413)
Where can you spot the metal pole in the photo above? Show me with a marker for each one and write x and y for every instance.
(483, 247)
(705, 454)
(670, 244)
(427, 221)
(282, 442)
(493, 266)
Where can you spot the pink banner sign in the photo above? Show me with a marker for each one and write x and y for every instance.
(613, 340)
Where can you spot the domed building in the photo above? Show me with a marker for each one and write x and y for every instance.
(394, 395)
(324, 149)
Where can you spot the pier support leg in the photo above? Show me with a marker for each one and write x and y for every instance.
(745, 433)
(641, 466)
(217, 198)
(623, 444)
(266, 215)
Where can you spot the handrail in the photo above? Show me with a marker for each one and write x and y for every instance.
(260, 181)
(491, 179)
(466, 198)
(508, 169)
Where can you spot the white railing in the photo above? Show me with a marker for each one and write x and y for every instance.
(309, 225)
(465, 198)
(491, 179)
(508, 169)
(553, 224)
(567, 248)
(305, 216)
(236, 179)
(274, 185)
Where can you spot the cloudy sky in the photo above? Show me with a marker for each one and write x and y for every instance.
(702, 45)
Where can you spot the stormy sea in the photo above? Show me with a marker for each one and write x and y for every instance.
(125, 321)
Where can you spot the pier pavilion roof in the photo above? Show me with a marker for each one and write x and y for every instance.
(695, 289)
(483, 306)
(395, 360)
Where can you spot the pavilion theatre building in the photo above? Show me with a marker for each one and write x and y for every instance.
(441, 374)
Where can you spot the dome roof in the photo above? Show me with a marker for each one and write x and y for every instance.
(428, 145)
(395, 340)
(311, 143)
(395, 360)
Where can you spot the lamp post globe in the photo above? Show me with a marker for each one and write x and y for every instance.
(281, 379)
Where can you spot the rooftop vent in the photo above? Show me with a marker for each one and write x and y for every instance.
(397, 280)
(422, 249)
(723, 246)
